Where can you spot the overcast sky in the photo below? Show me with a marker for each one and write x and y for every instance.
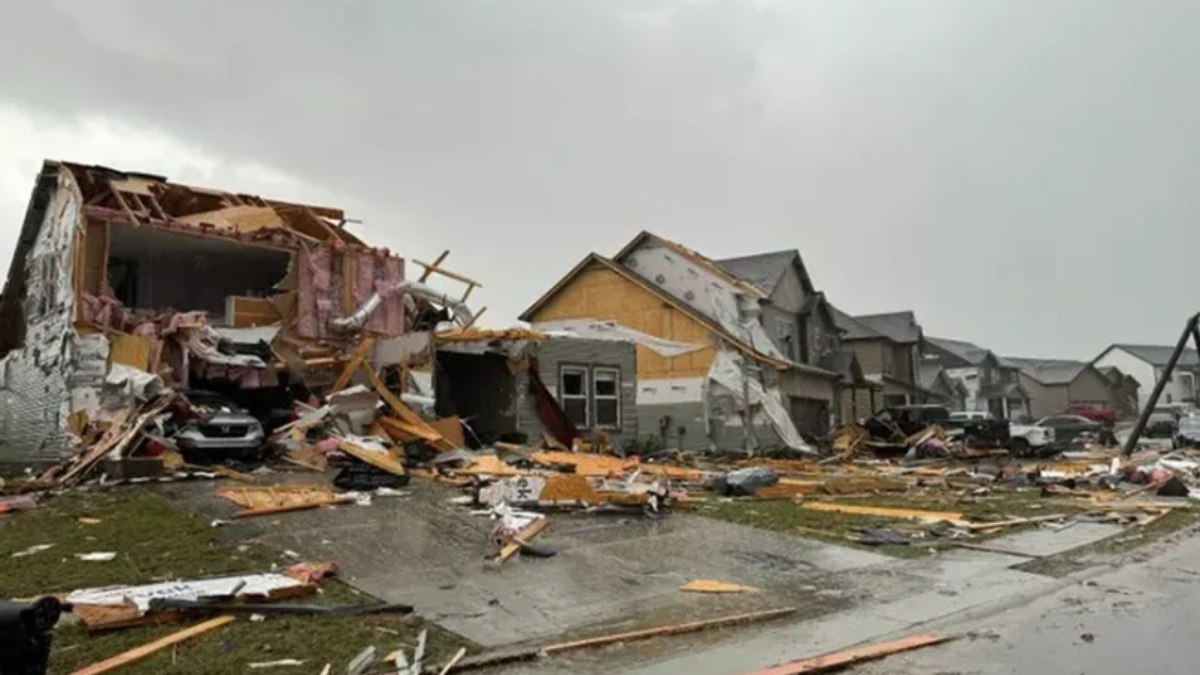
(1020, 173)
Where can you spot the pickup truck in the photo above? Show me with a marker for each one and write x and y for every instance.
(1026, 439)
(979, 427)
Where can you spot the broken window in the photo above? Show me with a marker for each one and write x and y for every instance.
(606, 383)
(573, 394)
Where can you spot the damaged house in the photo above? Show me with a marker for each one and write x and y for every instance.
(888, 347)
(121, 282)
(992, 384)
(702, 346)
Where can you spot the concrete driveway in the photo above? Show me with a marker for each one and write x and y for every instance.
(612, 571)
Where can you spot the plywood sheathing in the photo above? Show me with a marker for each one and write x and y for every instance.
(602, 293)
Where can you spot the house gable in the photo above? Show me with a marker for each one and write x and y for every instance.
(597, 291)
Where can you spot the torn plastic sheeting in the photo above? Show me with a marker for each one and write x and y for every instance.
(727, 372)
(611, 330)
(402, 349)
(250, 335)
(140, 596)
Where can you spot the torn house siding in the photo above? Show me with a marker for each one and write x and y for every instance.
(735, 309)
(34, 386)
(555, 352)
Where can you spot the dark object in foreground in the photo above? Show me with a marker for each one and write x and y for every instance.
(25, 635)
(172, 604)
(364, 478)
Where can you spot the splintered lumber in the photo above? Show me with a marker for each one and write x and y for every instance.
(412, 422)
(381, 460)
(356, 361)
(586, 464)
(836, 660)
(1014, 521)
(885, 512)
(138, 653)
(713, 586)
(511, 655)
(528, 532)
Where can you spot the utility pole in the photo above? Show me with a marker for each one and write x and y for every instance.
(1190, 330)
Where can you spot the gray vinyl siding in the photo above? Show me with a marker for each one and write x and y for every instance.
(558, 351)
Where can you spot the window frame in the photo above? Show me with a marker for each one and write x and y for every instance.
(563, 370)
(615, 397)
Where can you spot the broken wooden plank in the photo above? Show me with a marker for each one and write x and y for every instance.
(887, 512)
(714, 586)
(138, 653)
(462, 651)
(848, 657)
(356, 361)
(380, 460)
(511, 655)
(414, 423)
(528, 532)
(1014, 521)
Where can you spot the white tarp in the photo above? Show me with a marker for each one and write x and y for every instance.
(593, 329)
(726, 371)
(241, 585)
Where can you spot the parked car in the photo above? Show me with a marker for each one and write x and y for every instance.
(1068, 428)
(1188, 434)
(1162, 423)
(216, 428)
(1106, 416)
(978, 426)
(1026, 439)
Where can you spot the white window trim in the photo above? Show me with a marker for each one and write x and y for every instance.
(563, 395)
(615, 397)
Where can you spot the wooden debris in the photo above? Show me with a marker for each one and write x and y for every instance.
(488, 465)
(712, 586)
(356, 361)
(462, 651)
(138, 653)
(500, 656)
(380, 460)
(1014, 521)
(885, 512)
(261, 501)
(527, 533)
(836, 660)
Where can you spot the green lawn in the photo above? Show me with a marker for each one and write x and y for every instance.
(156, 541)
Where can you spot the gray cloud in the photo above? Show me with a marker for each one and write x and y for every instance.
(1019, 173)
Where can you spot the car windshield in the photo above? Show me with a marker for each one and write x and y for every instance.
(209, 399)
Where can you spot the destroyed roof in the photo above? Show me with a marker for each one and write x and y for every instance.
(764, 270)
(644, 237)
(1049, 371)
(139, 199)
(1157, 355)
(596, 259)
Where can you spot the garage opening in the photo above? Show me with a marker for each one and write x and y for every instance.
(153, 269)
(481, 390)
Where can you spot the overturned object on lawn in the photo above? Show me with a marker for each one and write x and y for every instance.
(123, 606)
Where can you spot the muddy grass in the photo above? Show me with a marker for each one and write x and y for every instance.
(156, 541)
(786, 515)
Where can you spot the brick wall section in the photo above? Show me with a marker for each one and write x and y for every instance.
(34, 397)
(553, 352)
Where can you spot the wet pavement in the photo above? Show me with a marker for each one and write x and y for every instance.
(1138, 617)
(612, 571)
